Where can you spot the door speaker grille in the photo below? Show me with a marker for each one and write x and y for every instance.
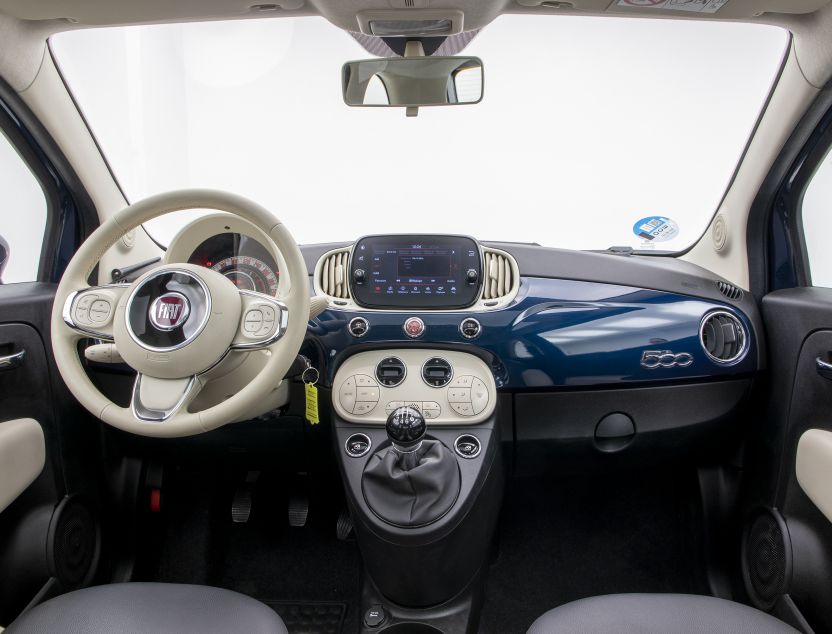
(767, 557)
(74, 543)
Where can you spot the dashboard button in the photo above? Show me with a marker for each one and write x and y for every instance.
(347, 394)
(462, 381)
(463, 409)
(393, 405)
(479, 396)
(414, 327)
(417, 405)
(358, 327)
(367, 394)
(362, 380)
(364, 408)
(470, 328)
(431, 409)
(459, 395)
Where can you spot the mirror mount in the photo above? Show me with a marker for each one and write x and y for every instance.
(413, 48)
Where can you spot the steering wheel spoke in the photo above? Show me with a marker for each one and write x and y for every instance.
(263, 320)
(156, 400)
(90, 311)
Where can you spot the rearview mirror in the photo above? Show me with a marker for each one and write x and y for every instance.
(413, 81)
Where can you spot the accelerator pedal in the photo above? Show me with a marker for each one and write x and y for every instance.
(343, 528)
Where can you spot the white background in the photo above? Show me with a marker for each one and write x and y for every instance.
(586, 126)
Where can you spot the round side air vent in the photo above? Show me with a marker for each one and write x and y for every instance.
(723, 337)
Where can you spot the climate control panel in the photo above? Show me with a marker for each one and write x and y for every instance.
(447, 387)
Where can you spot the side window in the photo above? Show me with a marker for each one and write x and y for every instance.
(817, 223)
(22, 217)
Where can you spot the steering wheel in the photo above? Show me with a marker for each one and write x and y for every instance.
(176, 323)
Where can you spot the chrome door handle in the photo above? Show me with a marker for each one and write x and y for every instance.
(824, 368)
(12, 361)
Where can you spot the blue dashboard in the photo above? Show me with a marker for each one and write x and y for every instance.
(560, 333)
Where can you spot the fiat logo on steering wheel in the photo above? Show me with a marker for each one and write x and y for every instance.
(169, 311)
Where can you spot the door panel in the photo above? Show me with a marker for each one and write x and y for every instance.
(22, 456)
(799, 328)
(32, 557)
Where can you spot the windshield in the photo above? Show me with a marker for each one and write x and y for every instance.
(592, 132)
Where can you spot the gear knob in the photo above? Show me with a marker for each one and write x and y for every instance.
(406, 428)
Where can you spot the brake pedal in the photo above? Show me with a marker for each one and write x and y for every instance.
(241, 506)
(298, 510)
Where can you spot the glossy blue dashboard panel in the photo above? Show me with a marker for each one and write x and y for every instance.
(557, 333)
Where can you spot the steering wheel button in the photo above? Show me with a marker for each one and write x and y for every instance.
(86, 301)
(268, 313)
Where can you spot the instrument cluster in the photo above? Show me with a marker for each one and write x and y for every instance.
(241, 259)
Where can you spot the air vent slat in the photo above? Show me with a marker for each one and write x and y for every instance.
(729, 290)
(332, 274)
(500, 277)
(723, 337)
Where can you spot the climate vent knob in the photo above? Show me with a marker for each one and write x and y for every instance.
(723, 337)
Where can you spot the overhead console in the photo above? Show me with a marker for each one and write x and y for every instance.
(416, 271)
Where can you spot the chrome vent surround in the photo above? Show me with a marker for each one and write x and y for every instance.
(332, 274)
(723, 337)
(501, 277)
(729, 290)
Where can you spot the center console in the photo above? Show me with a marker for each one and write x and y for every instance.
(419, 452)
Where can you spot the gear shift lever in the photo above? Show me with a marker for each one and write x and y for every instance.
(415, 481)
(406, 429)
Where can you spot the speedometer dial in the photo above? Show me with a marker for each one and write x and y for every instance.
(248, 273)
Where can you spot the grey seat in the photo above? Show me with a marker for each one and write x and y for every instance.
(659, 614)
(141, 608)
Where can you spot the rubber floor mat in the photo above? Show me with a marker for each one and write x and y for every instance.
(311, 618)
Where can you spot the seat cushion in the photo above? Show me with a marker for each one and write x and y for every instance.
(659, 613)
(141, 608)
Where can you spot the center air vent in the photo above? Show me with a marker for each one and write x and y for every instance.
(437, 372)
(391, 371)
(501, 277)
(331, 274)
(724, 337)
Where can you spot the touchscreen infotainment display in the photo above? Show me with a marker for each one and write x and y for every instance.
(416, 271)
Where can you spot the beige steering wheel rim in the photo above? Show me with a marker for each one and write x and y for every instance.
(282, 353)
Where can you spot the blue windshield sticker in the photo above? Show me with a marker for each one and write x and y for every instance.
(656, 229)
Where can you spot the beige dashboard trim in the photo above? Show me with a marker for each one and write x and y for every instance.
(814, 468)
(22, 457)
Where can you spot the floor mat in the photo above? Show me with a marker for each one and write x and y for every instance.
(310, 618)
(561, 540)
(264, 558)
